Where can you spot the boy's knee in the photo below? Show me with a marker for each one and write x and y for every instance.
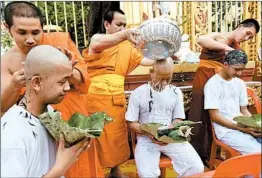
(145, 172)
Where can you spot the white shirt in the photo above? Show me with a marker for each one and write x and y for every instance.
(149, 106)
(227, 97)
(27, 149)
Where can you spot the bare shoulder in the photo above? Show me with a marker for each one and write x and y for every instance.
(12, 60)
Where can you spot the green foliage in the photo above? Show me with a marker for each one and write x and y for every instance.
(94, 123)
(179, 133)
(6, 40)
(77, 128)
(70, 16)
(254, 121)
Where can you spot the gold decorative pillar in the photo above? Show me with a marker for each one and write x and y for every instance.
(187, 16)
(252, 10)
(199, 22)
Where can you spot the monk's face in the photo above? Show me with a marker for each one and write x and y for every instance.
(55, 85)
(118, 23)
(234, 70)
(245, 33)
(161, 78)
(26, 32)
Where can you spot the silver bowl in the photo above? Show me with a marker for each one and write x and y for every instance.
(159, 38)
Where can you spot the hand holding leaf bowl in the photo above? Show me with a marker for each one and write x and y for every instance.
(77, 128)
(254, 121)
(179, 133)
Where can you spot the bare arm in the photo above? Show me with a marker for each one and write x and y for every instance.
(100, 42)
(11, 85)
(213, 41)
(66, 157)
(219, 119)
(244, 111)
(135, 127)
(216, 117)
(146, 62)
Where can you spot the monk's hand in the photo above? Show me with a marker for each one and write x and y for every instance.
(18, 79)
(69, 54)
(131, 35)
(228, 49)
(66, 157)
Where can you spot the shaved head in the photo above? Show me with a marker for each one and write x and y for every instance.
(164, 66)
(44, 60)
(161, 73)
(47, 74)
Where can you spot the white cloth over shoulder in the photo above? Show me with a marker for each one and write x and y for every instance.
(27, 149)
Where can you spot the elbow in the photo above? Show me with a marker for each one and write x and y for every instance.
(200, 41)
(96, 47)
(96, 44)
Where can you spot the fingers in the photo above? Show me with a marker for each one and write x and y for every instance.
(81, 147)
(20, 72)
(61, 142)
(74, 62)
(68, 53)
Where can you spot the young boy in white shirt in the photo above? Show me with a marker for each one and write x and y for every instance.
(27, 149)
(160, 102)
(226, 98)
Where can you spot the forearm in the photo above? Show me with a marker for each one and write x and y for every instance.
(146, 62)
(246, 113)
(104, 41)
(135, 127)
(54, 173)
(225, 122)
(212, 44)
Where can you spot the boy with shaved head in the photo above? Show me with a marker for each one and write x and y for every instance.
(160, 102)
(24, 22)
(28, 150)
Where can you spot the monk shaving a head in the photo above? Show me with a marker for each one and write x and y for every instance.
(24, 22)
(160, 102)
(28, 149)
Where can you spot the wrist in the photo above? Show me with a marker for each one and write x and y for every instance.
(56, 171)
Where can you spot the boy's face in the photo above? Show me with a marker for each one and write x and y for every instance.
(55, 87)
(26, 32)
(235, 70)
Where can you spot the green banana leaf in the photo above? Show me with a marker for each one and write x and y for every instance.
(180, 133)
(254, 121)
(77, 128)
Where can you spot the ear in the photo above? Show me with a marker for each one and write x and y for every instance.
(7, 28)
(106, 25)
(225, 64)
(36, 83)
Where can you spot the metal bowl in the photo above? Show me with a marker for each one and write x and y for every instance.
(159, 38)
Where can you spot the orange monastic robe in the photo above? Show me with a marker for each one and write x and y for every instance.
(75, 101)
(116, 63)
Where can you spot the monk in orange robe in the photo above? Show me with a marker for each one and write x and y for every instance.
(214, 47)
(111, 57)
(24, 22)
